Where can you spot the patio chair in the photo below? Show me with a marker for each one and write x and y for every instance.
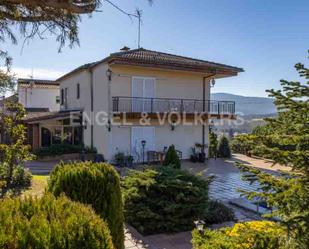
(152, 156)
(179, 153)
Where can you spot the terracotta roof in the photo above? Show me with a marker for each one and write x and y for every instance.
(38, 82)
(159, 58)
(148, 58)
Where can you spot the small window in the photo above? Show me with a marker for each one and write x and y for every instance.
(62, 96)
(77, 91)
(65, 96)
(57, 99)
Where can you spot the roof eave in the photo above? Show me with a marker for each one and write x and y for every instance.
(178, 67)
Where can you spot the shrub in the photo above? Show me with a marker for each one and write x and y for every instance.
(171, 158)
(96, 184)
(21, 178)
(224, 148)
(217, 212)
(51, 223)
(254, 234)
(164, 200)
(213, 145)
(61, 149)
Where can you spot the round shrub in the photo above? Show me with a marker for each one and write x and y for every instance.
(96, 184)
(217, 212)
(253, 234)
(164, 200)
(51, 223)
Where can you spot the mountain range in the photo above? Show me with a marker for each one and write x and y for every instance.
(259, 106)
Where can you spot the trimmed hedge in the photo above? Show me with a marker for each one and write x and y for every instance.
(61, 149)
(51, 223)
(247, 235)
(96, 184)
(164, 200)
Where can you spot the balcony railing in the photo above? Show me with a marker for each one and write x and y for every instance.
(162, 105)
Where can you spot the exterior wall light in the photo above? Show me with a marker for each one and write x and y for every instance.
(85, 124)
(213, 82)
(109, 74)
(109, 126)
(173, 125)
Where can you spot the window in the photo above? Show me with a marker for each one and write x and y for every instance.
(77, 91)
(57, 99)
(62, 96)
(66, 97)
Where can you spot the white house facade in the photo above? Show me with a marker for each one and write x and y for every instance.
(140, 100)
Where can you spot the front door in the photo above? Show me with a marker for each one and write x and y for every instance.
(143, 90)
(142, 140)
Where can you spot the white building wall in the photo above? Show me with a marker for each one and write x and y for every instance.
(168, 85)
(84, 101)
(182, 137)
(37, 97)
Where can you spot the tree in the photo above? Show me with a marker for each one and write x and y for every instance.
(16, 152)
(224, 147)
(213, 144)
(172, 158)
(36, 18)
(286, 141)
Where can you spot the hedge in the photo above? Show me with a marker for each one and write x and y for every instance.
(61, 149)
(247, 235)
(96, 184)
(165, 200)
(51, 223)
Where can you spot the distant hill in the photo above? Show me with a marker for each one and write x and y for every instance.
(253, 106)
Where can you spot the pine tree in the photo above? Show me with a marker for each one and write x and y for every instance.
(172, 158)
(224, 147)
(286, 141)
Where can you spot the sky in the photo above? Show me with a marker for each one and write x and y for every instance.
(266, 38)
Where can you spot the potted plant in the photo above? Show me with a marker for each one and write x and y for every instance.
(194, 155)
(201, 154)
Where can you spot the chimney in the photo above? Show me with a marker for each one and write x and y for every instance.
(124, 49)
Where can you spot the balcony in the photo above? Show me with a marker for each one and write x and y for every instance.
(134, 106)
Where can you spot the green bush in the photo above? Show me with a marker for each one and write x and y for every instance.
(61, 149)
(224, 148)
(217, 212)
(51, 223)
(21, 178)
(171, 158)
(164, 200)
(96, 184)
(248, 235)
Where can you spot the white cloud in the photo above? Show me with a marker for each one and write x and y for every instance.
(37, 73)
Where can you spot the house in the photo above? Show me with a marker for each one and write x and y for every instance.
(36, 95)
(135, 101)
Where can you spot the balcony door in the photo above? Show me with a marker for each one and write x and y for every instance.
(143, 89)
(139, 134)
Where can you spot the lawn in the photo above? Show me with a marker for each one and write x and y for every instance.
(38, 186)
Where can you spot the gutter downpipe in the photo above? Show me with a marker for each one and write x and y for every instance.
(204, 99)
(91, 107)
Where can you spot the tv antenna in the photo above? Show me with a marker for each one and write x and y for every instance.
(137, 14)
